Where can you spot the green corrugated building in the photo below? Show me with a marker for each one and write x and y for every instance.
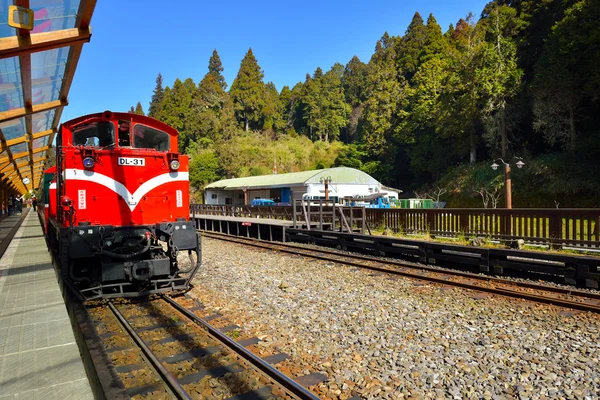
(284, 188)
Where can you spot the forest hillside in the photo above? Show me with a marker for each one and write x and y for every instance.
(429, 113)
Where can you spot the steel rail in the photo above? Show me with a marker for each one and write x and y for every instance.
(275, 375)
(169, 379)
(500, 291)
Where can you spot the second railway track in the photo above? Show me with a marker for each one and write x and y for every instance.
(562, 297)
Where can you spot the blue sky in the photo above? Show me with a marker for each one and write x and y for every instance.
(133, 40)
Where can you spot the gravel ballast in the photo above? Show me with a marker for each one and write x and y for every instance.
(382, 337)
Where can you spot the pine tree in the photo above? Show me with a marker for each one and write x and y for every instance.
(180, 113)
(211, 102)
(355, 81)
(138, 109)
(286, 107)
(435, 44)
(325, 108)
(247, 91)
(386, 102)
(215, 68)
(461, 107)
(409, 49)
(131, 110)
(155, 108)
(567, 77)
(499, 78)
(271, 111)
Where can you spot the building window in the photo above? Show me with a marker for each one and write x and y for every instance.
(213, 196)
(241, 196)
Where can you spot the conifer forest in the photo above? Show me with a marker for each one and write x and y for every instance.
(428, 113)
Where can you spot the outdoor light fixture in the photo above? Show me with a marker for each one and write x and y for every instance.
(20, 17)
(507, 179)
(326, 182)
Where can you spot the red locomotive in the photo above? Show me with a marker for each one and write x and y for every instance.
(116, 207)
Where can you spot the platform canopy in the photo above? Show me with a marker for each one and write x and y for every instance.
(36, 70)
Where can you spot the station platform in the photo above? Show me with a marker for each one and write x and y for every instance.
(39, 357)
(259, 228)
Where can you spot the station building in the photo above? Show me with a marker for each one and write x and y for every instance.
(285, 188)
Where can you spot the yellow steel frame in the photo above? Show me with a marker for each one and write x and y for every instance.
(22, 45)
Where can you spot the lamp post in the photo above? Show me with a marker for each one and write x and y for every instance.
(245, 189)
(507, 180)
(326, 182)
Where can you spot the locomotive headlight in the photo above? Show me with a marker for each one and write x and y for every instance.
(88, 162)
(175, 165)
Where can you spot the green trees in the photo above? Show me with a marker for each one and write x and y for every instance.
(499, 76)
(215, 68)
(567, 79)
(248, 92)
(138, 109)
(155, 108)
(522, 79)
(325, 109)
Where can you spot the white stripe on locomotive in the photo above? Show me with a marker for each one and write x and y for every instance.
(132, 199)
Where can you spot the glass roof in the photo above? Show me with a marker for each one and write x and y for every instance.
(18, 148)
(13, 129)
(41, 142)
(35, 105)
(11, 89)
(22, 159)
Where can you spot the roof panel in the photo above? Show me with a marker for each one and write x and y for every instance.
(18, 148)
(42, 121)
(53, 15)
(338, 175)
(47, 71)
(13, 129)
(22, 159)
(11, 89)
(41, 142)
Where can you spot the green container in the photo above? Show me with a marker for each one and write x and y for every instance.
(415, 203)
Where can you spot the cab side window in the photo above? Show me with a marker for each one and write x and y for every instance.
(124, 134)
(96, 134)
(145, 137)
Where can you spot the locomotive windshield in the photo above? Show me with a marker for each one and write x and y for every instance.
(145, 137)
(95, 134)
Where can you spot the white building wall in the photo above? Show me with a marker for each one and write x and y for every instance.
(216, 196)
(341, 190)
(316, 190)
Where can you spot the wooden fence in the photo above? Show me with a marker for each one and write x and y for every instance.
(578, 227)
(559, 227)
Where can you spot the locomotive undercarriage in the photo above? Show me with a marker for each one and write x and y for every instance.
(108, 261)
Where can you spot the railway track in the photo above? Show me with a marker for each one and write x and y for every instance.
(161, 349)
(562, 297)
